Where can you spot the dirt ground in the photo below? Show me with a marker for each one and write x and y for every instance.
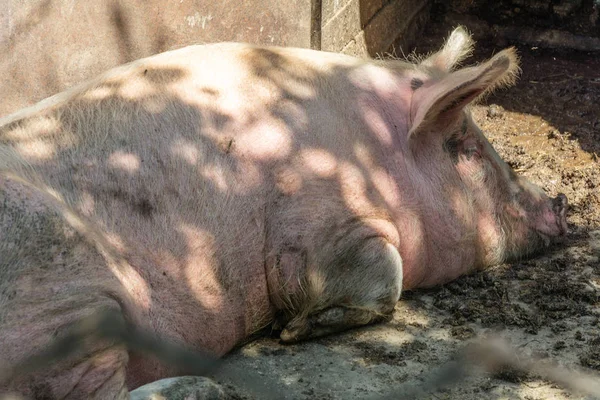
(547, 128)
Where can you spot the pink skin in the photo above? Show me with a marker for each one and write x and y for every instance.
(554, 221)
(204, 192)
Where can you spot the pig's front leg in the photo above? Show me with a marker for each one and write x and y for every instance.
(361, 287)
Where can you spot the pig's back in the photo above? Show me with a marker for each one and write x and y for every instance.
(170, 163)
(175, 158)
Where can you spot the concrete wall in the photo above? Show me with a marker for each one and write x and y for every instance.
(47, 46)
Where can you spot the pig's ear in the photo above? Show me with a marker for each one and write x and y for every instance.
(442, 100)
(458, 46)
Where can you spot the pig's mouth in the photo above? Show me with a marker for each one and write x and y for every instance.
(552, 222)
(547, 225)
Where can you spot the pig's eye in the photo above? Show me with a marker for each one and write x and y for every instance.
(471, 150)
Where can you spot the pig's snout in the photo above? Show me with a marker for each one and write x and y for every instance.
(560, 205)
(551, 219)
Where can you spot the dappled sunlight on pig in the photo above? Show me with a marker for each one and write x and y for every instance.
(364, 155)
(212, 191)
(201, 277)
(215, 174)
(288, 180)
(376, 122)
(126, 162)
(139, 88)
(384, 184)
(99, 93)
(282, 75)
(491, 238)
(38, 138)
(462, 208)
(133, 282)
(242, 179)
(353, 185)
(297, 88)
(319, 162)
(34, 129)
(155, 105)
(265, 141)
(187, 151)
(38, 150)
(379, 176)
(87, 204)
(116, 242)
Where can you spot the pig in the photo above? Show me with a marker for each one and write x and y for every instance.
(209, 192)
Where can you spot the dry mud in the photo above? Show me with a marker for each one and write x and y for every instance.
(547, 127)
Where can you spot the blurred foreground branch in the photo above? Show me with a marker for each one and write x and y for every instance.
(492, 356)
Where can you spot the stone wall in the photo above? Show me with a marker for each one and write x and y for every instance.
(371, 27)
(47, 46)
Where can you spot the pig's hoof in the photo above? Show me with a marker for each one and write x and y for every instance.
(295, 331)
(331, 320)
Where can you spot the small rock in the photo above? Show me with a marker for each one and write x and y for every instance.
(180, 388)
(594, 241)
(559, 345)
(462, 332)
(494, 111)
(566, 7)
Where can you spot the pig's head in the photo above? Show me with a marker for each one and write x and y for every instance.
(508, 216)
